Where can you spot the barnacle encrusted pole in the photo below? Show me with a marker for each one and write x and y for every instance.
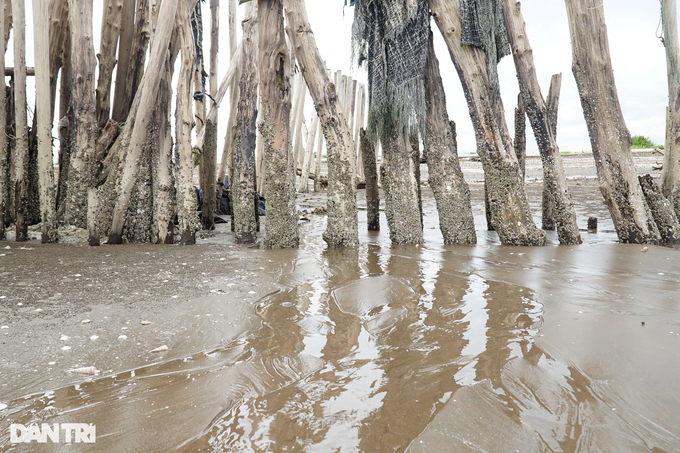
(671, 168)
(210, 145)
(281, 230)
(451, 192)
(184, 122)
(553, 172)
(552, 104)
(509, 207)
(20, 179)
(609, 135)
(342, 228)
(3, 137)
(133, 135)
(43, 120)
(391, 37)
(243, 184)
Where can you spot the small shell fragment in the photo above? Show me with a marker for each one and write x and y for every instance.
(85, 370)
(85, 321)
(146, 323)
(94, 337)
(122, 337)
(160, 349)
(64, 338)
(644, 249)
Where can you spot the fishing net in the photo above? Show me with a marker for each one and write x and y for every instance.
(483, 26)
(391, 37)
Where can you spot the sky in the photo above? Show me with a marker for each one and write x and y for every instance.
(638, 59)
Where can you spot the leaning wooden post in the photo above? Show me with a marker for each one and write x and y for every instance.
(21, 121)
(358, 124)
(133, 135)
(552, 104)
(510, 211)
(107, 58)
(446, 179)
(532, 99)
(342, 226)
(4, 186)
(243, 184)
(609, 135)
(44, 120)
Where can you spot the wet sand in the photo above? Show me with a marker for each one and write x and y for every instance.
(380, 348)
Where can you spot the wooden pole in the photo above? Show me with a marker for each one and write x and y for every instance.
(134, 132)
(227, 161)
(243, 184)
(127, 30)
(4, 186)
(21, 121)
(359, 123)
(671, 183)
(521, 136)
(371, 171)
(342, 226)
(450, 190)
(317, 163)
(552, 104)
(44, 120)
(510, 211)
(210, 147)
(303, 187)
(609, 135)
(532, 99)
(110, 32)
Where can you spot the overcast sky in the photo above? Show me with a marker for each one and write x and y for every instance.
(637, 54)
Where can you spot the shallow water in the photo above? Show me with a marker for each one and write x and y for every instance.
(401, 348)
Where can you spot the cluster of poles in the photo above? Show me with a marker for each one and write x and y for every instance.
(125, 174)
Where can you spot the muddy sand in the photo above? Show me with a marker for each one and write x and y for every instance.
(376, 349)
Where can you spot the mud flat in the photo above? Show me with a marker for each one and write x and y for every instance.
(379, 348)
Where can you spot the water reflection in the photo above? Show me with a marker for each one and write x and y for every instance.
(374, 349)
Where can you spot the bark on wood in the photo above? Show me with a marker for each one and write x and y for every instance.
(400, 187)
(58, 41)
(521, 136)
(303, 187)
(342, 227)
(510, 211)
(210, 146)
(243, 184)
(81, 200)
(317, 164)
(4, 179)
(552, 104)
(662, 210)
(450, 190)
(127, 30)
(110, 32)
(186, 196)
(553, 172)
(165, 182)
(140, 43)
(64, 126)
(281, 229)
(230, 139)
(371, 173)
(668, 169)
(21, 144)
(133, 135)
(9, 22)
(609, 135)
(44, 121)
(672, 148)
